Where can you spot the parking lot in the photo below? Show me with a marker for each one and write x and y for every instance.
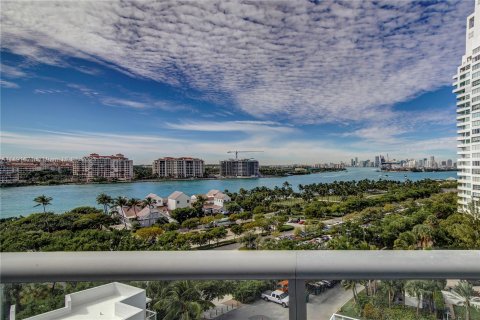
(319, 307)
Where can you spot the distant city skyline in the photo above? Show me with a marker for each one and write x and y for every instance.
(321, 81)
(346, 162)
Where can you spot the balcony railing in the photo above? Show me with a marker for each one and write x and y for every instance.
(150, 315)
(297, 266)
(340, 317)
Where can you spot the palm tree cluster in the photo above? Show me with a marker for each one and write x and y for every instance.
(181, 300)
(113, 204)
(380, 295)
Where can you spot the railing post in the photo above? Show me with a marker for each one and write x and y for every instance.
(297, 300)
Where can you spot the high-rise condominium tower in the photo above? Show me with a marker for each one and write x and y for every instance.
(467, 88)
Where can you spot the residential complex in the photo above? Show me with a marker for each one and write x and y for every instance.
(161, 208)
(95, 166)
(184, 167)
(466, 84)
(17, 170)
(239, 168)
(110, 301)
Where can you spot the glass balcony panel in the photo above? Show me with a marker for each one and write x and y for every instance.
(243, 299)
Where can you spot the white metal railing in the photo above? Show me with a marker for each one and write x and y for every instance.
(341, 317)
(150, 315)
(296, 266)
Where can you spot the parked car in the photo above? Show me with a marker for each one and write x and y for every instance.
(276, 296)
(326, 237)
(224, 222)
(294, 220)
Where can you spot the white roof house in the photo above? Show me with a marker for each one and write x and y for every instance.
(220, 199)
(178, 200)
(158, 199)
(211, 194)
(113, 301)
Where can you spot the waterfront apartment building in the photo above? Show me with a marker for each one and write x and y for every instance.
(95, 166)
(17, 170)
(178, 168)
(239, 168)
(8, 173)
(466, 84)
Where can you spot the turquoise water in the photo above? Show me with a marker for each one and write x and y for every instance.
(19, 200)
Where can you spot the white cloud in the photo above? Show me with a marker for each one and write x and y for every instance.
(310, 63)
(11, 72)
(133, 100)
(278, 147)
(47, 91)
(79, 143)
(8, 84)
(253, 127)
(86, 91)
(115, 102)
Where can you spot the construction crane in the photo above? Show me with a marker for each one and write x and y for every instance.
(242, 151)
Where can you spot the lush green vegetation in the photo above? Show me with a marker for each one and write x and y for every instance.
(375, 215)
(49, 176)
(44, 177)
(385, 300)
(171, 300)
(474, 313)
(142, 172)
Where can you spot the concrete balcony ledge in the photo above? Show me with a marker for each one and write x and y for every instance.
(296, 266)
(155, 265)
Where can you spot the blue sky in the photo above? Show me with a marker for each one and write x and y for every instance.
(304, 81)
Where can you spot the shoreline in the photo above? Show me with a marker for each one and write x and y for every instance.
(18, 201)
(14, 185)
(422, 171)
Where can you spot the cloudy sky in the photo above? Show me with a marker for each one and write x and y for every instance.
(304, 81)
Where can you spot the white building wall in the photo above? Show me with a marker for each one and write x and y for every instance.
(182, 201)
(467, 88)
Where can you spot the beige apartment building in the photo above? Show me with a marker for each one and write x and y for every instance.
(17, 170)
(184, 167)
(95, 166)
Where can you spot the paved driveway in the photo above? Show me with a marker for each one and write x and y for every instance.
(259, 310)
(320, 307)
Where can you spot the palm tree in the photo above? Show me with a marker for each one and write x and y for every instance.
(182, 300)
(150, 203)
(133, 203)
(424, 234)
(121, 202)
(390, 286)
(34, 292)
(351, 285)
(43, 200)
(415, 288)
(105, 200)
(465, 290)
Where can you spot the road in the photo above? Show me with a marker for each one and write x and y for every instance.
(236, 246)
(233, 246)
(319, 307)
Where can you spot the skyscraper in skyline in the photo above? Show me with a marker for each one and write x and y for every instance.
(377, 161)
(466, 85)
